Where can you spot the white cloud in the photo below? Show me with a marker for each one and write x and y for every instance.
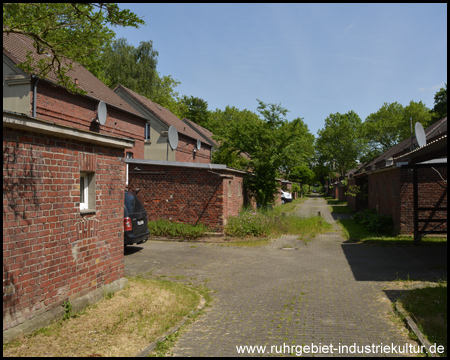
(435, 87)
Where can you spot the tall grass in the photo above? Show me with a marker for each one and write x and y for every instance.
(248, 223)
(308, 227)
(175, 230)
(269, 223)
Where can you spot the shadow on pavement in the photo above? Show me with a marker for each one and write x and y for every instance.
(131, 249)
(337, 217)
(388, 263)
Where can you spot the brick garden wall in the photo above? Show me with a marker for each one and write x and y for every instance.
(188, 195)
(51, 253)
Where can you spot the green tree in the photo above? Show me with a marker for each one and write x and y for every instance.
(122, 63)
(440, 105)
(229, 125)
(67, 32)
(300, 148)
(163, 93)
(340, 143)
(135, 68)
(265, 140)
(303, 175)
(415, 112)
(381, 129)
(196, 110)
(391, 124)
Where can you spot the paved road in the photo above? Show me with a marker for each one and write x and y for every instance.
(324, 292)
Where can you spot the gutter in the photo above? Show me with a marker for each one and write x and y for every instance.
(34, 93)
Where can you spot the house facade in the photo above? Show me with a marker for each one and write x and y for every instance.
(192, 146)
(63, 182)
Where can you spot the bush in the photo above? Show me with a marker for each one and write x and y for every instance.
(378, 223)
(170, 229)
(248, 223)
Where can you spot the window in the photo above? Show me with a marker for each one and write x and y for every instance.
(147, 131)
(229, 188)
(87, 192)
(129, 155)
(84, 194)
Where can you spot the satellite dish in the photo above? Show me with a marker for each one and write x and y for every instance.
(173, 137)
(101, 112)
(420, 134)
(199, 144)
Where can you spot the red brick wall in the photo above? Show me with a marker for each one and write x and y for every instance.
(187, 195)
(385, 195)
(59, 106)
(185, 151)
(51, 252)
(233, 194)
(432, 192)
(391, 193)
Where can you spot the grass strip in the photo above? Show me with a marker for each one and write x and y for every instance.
(121, 324)
(428, 308)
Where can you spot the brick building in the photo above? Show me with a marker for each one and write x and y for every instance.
(63, 183)
(402, 181)
(191, 193)
(159, 120)
(63, 179)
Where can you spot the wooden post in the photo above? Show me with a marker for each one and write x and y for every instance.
(416, 205)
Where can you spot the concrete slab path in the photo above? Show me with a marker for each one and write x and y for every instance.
(326, 293)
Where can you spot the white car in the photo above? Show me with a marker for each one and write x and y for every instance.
(285, 197)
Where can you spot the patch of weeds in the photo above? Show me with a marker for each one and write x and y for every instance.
(109, 295)
(248, 223)
(376, 223)
(166, 228)
(68, 311)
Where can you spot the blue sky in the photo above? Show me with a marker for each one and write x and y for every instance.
(313, 59)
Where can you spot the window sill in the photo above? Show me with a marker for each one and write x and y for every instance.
(87, 211)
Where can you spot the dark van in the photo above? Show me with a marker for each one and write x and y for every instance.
(135, 220)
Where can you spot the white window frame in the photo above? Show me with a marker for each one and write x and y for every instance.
(84, 191)
(87, 192)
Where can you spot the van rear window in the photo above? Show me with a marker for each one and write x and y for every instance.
(132, 203)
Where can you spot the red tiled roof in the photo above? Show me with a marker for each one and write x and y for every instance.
(16, 46)
(203, 131)
(163, 114)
